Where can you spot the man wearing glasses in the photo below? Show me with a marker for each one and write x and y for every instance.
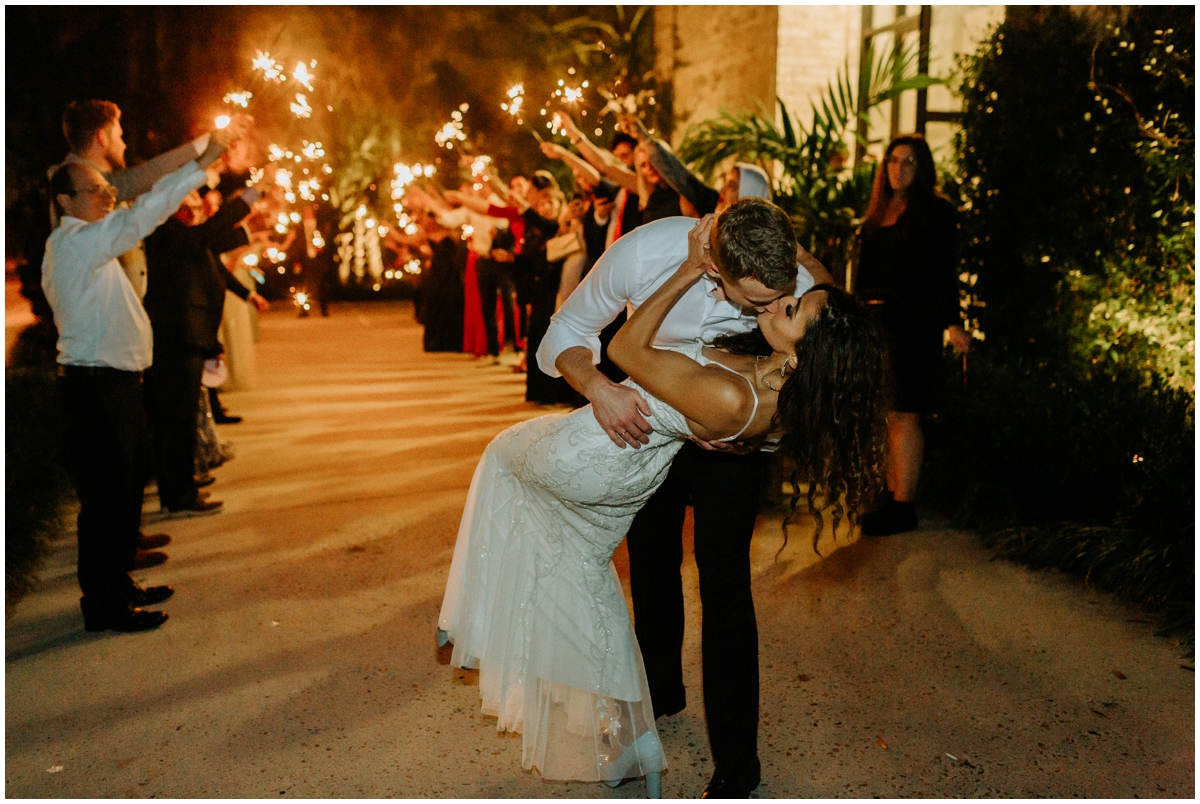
(104, 344)
(94, 134)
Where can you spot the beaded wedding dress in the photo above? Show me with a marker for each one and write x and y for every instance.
(534, 602)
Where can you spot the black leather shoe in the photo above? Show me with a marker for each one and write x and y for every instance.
(667, 705)
(221, 417)
(148, 596)
(153, 541)
(99, 616)
(197, 507)
(734, 780)
(203, 480)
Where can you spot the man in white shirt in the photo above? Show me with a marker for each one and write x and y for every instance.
(104, 345)
(93, 132)
(753, 265)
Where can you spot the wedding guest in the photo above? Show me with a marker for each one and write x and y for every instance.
(539, 223)
(93, 132)
(105, 343)
(442, 288)
(483, 278)
(616, 164)
(185, 300)
(740, 181)
(908, 272)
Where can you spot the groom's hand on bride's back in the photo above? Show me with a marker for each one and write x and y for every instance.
(728, 447)
(621, 411)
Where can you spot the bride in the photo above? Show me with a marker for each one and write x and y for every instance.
(533, 600)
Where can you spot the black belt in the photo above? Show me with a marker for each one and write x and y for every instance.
(69, 370)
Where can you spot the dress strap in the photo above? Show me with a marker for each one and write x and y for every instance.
(753, 391)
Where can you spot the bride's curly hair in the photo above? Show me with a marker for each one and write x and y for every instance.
(832, 409)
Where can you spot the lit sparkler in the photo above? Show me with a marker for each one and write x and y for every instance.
(302, 74)
(453, 130)
(516, 97)
(271, 69)
(300, 107)
(222, 121)
(238, 98)
(479, 165)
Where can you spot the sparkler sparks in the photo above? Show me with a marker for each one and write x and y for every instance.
(238, 98)
(302, 74)
(222, 121)
(453, 130)
(271, 69)
(479, 165)
(300, 107)
(516, 97)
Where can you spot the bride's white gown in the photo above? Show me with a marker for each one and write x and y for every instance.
(533, 599)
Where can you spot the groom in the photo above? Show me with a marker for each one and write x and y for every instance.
(753, 264)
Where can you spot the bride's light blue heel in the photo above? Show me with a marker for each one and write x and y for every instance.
(442, 638)
(654, 785)
(644, 746)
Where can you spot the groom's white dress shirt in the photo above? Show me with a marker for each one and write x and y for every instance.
(627, 274)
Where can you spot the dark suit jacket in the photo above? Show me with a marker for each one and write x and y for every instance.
(185, 293)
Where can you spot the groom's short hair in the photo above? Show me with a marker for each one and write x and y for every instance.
(753, 237)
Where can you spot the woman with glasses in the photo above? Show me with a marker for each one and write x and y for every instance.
(907, 272)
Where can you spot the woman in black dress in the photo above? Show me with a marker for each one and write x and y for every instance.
(442, 289)
(908, 272)
(541, 224)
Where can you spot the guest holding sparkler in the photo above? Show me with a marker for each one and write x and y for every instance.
(540, 224)
(741, 181)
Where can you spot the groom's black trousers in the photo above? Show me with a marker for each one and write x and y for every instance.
(724, 490)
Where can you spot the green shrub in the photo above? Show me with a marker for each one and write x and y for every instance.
(35, 487)
(1072, 441)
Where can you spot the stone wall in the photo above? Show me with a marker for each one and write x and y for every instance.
(716, 58)
(739, 58)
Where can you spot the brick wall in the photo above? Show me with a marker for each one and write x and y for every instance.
(814, 42)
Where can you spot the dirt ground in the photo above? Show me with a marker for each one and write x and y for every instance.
(299, 659)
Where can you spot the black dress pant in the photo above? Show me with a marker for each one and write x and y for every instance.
(724, 491)
(103, 420)
(173, 402)
(493, 278)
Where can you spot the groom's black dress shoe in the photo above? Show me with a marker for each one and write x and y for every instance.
(734, 780)
(667, 705)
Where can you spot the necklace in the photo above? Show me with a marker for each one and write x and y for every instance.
(763, 379)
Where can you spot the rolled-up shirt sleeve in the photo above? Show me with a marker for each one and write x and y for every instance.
(599, 299)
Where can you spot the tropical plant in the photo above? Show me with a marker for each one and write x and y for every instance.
(825, 198)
